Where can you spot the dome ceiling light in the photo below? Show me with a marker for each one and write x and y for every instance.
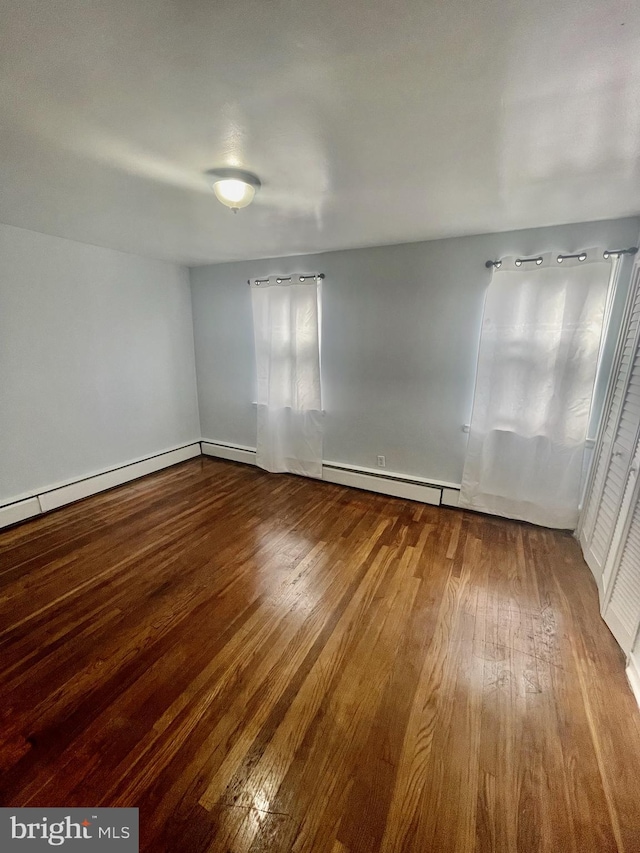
(234, 188)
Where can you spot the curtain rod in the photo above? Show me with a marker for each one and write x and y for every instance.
(280, 278)
(581, 256)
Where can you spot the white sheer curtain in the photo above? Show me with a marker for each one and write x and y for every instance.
(287, 342)
(539, 347)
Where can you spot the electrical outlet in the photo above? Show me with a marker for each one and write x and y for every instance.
(381, 462)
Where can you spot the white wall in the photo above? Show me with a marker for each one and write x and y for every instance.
(399, 342)
(96, 360)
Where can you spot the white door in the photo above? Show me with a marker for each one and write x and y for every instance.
(621, 608)
(615, 446)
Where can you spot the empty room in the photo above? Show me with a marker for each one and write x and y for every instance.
(320, 426)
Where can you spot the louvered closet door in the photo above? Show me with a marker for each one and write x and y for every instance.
(616, 445)
(622, 574)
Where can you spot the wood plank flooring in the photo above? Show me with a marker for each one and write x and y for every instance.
(267, 663)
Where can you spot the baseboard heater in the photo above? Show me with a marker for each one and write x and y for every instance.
(396, 485)
(69, 492)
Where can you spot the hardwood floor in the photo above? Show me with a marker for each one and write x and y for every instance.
(267, 663)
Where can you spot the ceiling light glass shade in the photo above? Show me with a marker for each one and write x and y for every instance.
(235, 194)
(234, 188)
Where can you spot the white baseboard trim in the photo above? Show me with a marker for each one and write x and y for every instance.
(633, 675)
(19, 511)
(232, 452)
(450, 497)
(382, 484)
(433, 492)
(371, 480)
(58, 496)
(393, 475)
(101, 482)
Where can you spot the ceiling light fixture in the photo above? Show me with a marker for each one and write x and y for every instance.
(234, 188)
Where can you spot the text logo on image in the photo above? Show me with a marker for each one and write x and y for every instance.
(104, 830)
